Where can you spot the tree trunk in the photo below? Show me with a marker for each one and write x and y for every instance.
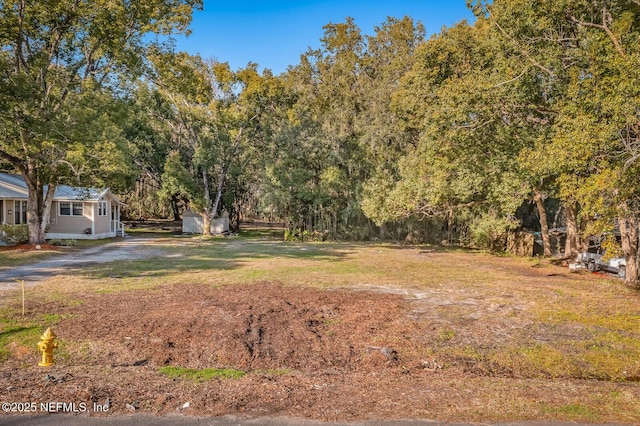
(46, 213)
(544, 227)
(206, 213)
(206, 222)
(34, 220)
(572, 242)
(450, 226)
(221, 179)
(38, 207)
(384, 234)
(583, 239)
(174, 207)
(629, 238)
(37, 217)
(234, 220)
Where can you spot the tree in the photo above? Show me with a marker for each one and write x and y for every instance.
(462, 166)
(148, 144)
(214, 118)
(56, 55)
(312, 177)
(337, 127)
(592, 49)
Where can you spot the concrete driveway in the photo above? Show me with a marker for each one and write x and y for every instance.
(127, 249)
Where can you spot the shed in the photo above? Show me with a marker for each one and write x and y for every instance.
(192, 223)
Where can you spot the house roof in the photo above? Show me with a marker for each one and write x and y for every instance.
(14, 186)
(14, 180)
(65, 192)
(6, 192)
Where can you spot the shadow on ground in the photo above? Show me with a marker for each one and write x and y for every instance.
(189, 254)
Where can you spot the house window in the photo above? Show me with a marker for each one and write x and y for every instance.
(70, 209)
(102, 208)
(20, 212)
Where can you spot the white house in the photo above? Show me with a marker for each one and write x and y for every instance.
(76, 213)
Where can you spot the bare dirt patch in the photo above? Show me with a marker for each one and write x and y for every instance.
(263, 326)
(321, 354)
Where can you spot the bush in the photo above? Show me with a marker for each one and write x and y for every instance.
(16, 234)
(64, 243)
(299, 235)
(490, 233)
(291, 235)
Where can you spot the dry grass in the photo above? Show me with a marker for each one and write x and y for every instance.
(16, 255)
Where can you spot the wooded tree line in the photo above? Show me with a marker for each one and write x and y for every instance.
(389, 134)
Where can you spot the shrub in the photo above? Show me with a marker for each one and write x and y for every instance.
(64, 243)
(490, 232)
(16, 234)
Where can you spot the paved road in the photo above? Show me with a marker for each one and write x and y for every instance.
(145, 420)
(130, 248)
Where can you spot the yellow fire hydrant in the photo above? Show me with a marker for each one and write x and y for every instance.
(46, 345)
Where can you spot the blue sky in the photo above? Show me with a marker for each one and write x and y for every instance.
(275, 33)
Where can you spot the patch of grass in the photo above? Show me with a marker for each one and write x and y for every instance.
(274, 372)
(200, 375)
(610, 347)
(22, 333)
(605, 358)
(459, 354)
(12, 257)
(264, 233)
(50, 318)
(18, 336)
(612, 356)
(533, 361)
(446, 334)
(572, 412)
(592, 315)
(57, 296)
(16, 332)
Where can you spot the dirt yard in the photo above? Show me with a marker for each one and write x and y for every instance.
(352, 353)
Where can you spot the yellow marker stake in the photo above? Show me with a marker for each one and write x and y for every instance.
(46, 345)
(22, 285)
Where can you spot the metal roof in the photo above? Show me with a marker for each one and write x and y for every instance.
(17, 188)
(15, 180)
(65, 192)
(6, 192)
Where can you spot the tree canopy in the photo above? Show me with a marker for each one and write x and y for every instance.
(60, 60)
